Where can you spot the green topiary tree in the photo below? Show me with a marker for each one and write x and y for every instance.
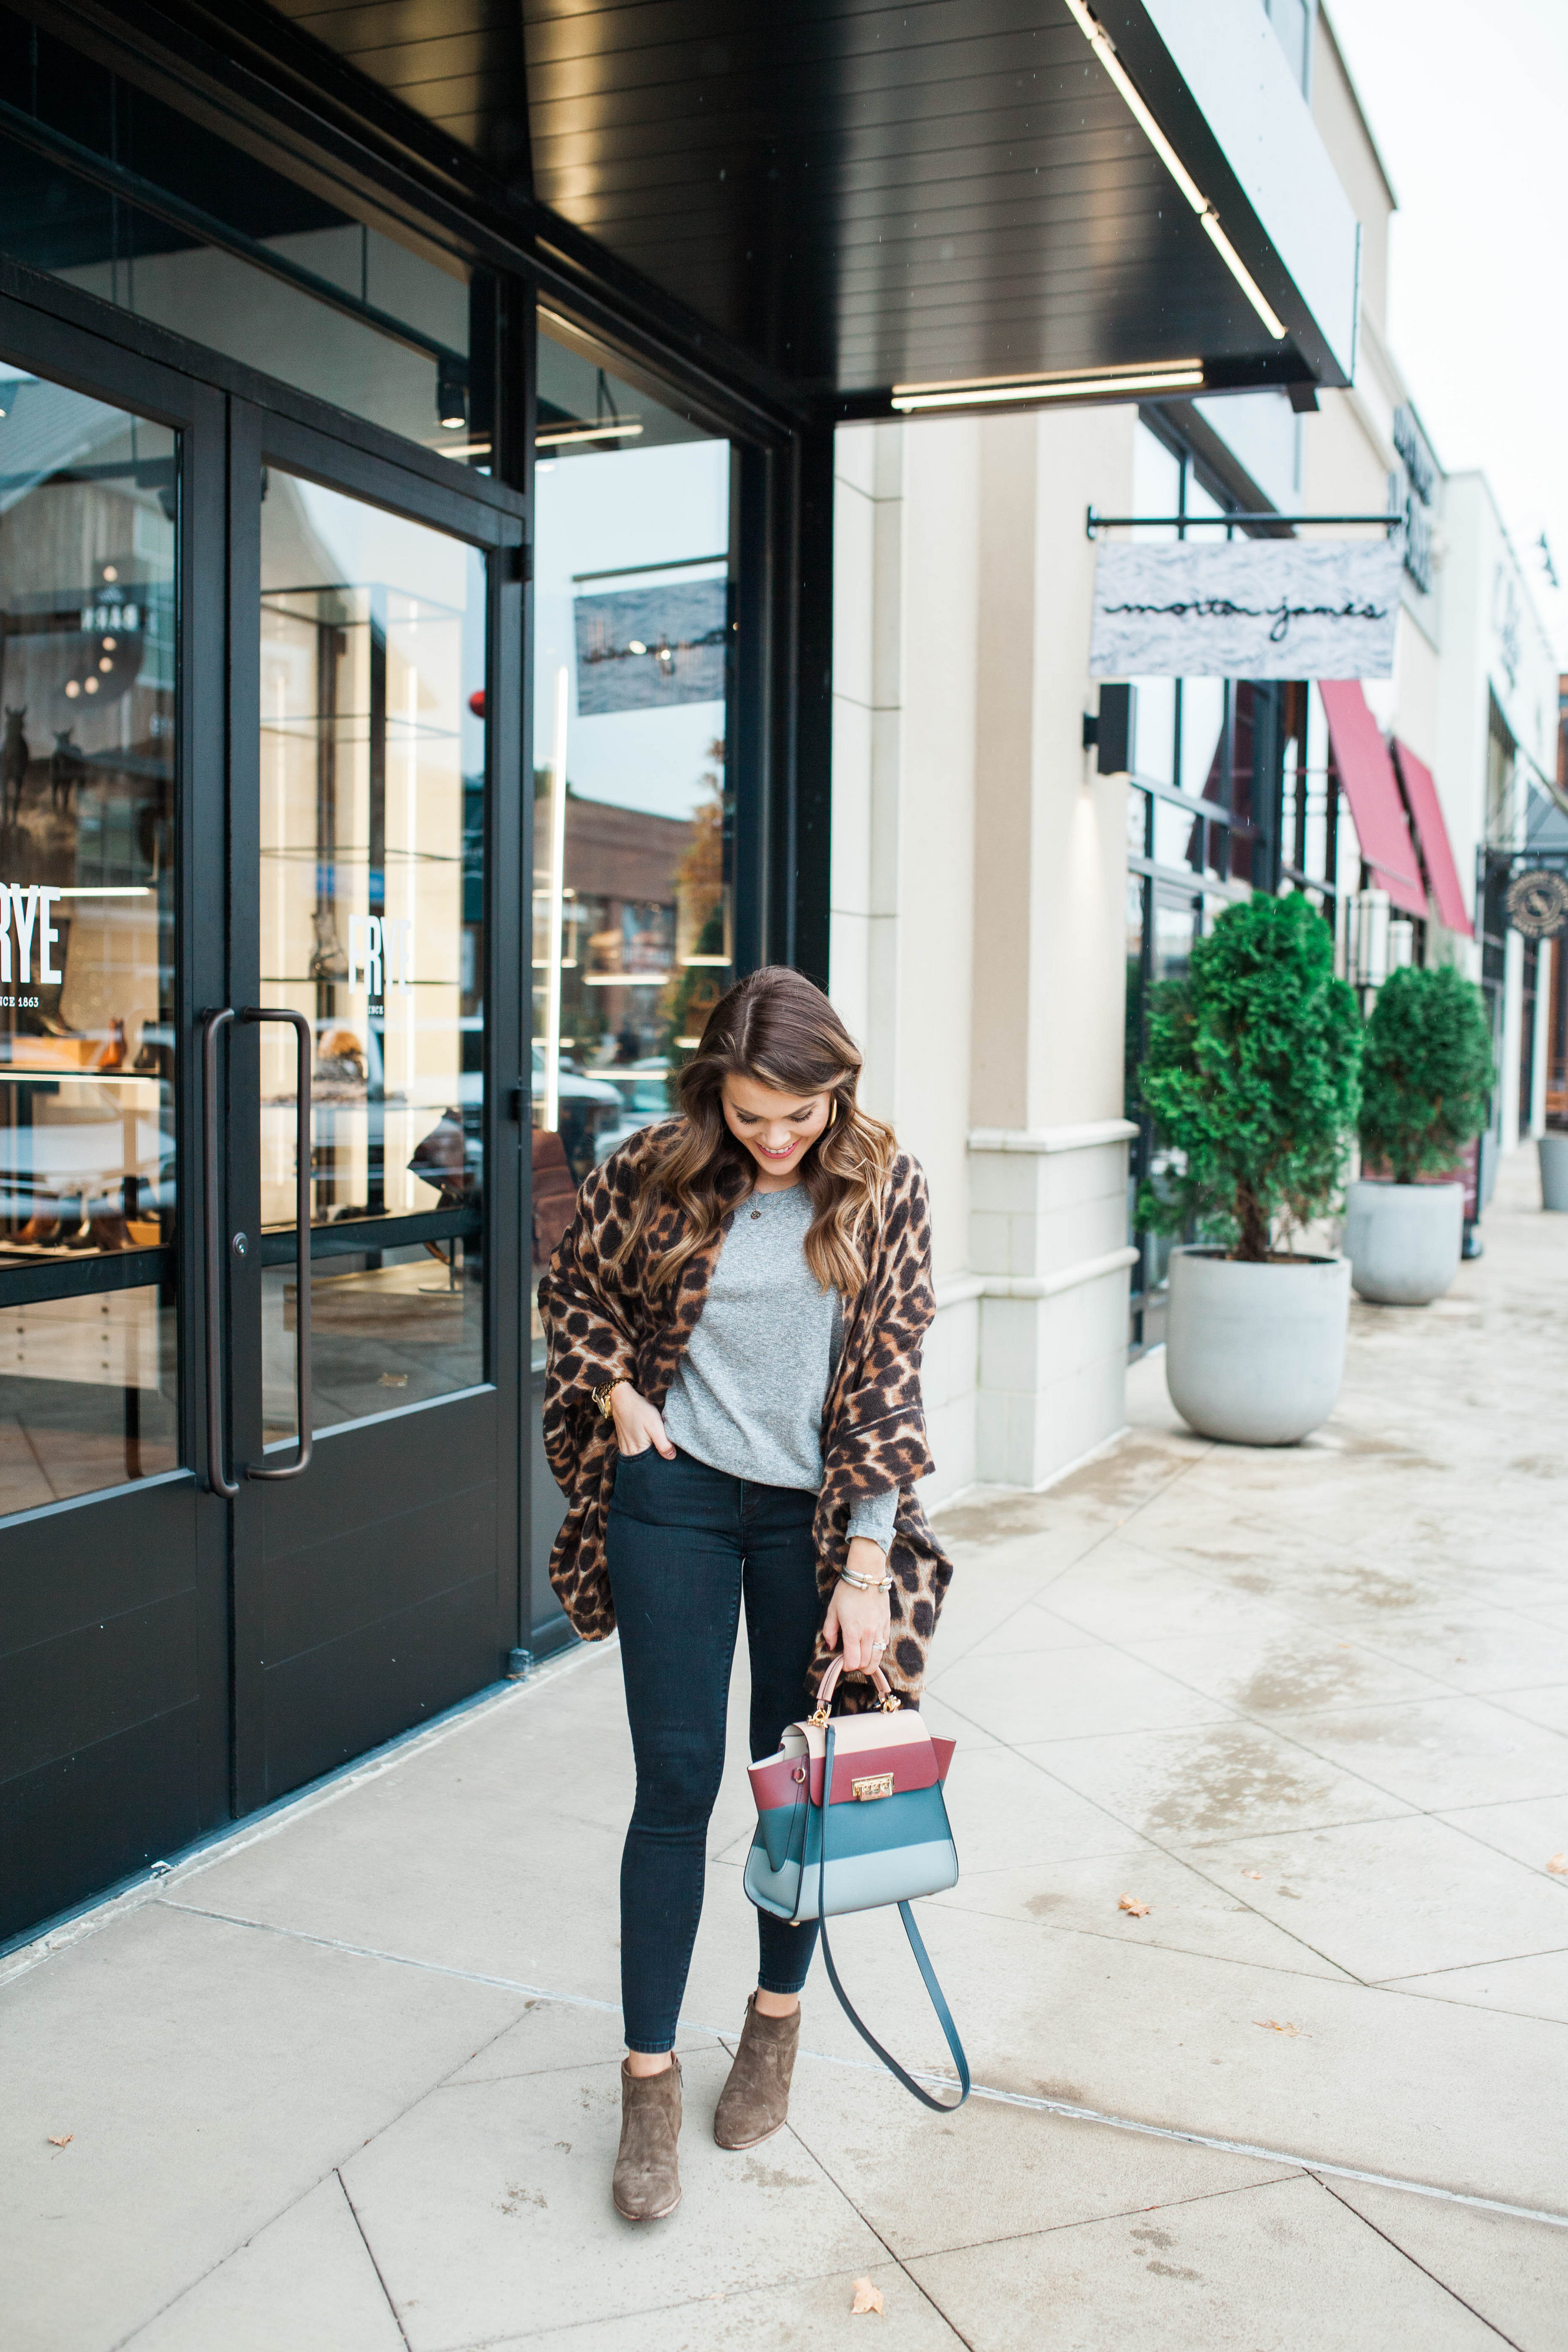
(1427, 1072)
(1252, 1078)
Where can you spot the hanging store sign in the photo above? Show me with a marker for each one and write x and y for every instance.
(1251, 608)
(1537, 903)
(649, 648)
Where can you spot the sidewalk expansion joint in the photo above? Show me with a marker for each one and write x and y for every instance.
(1325, 2167)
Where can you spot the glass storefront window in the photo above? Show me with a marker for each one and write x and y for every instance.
(240, 259)
(633, 909)
(1154, 730)
(1203, 715)
(1179, 837)
(373, 804)
(87, 1144)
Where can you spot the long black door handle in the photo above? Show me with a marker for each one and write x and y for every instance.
(217, 1477)
(303, 1048)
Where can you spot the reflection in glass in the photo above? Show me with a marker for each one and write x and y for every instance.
(633, 921)
(372, 806)
(388, 1328)
(87, 1395)
(1202, 737)
(1154, 738)
(1177, 922)
(87, 684)
(1244, 729)
(88, 1154)
(375, 324)
(1178, 835)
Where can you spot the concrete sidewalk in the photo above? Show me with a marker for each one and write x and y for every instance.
(350, 2082)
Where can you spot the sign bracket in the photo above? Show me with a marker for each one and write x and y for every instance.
(1094, 522)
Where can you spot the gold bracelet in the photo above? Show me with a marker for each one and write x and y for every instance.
(602, 1396)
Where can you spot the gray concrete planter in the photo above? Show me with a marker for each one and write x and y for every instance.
(1255, 1354)
(1403, 1241)
(1553, 1149)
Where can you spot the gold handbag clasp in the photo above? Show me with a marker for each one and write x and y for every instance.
(875, 1784)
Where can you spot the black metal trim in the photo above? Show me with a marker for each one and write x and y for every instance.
(1305, 881)
(1213, 812)
(1187, 882)
(1094, 521)
(123, 331)
(83, 1277)
(443, 500)
(352, 1236)
(149, 197)
(810, 866)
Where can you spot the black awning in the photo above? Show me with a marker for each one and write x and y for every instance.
(859, 194)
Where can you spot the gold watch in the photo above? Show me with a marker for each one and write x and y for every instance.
(602, 1396)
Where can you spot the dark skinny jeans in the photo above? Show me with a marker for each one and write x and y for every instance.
(686, 1543)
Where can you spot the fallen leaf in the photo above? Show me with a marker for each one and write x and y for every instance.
(1558, 1865)
(867, 2298)
(1251, 1873)
(1139, 1909)
(64, 2141)
(1272, 2025)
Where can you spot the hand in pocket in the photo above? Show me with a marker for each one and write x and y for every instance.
(638, 1424)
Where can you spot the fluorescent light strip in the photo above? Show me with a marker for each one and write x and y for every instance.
(1104, 49)
(1243, 276)
(556, 436)
(906, 398)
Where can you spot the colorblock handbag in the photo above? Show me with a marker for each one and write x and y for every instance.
(850, 1816)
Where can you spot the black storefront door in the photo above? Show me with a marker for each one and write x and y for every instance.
(262, 693)
(368, 842)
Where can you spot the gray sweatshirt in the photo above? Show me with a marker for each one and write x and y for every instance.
(748, 1394)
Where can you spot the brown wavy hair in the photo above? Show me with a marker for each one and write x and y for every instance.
(774, 1026)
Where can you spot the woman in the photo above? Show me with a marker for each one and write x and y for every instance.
(735, 1318)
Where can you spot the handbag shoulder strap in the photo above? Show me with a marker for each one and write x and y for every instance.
(922, 1960)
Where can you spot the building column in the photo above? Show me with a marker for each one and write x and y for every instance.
(1049, 1254)
(978, 909)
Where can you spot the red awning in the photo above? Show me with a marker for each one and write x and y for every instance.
(1432, 834)
(1370, 787)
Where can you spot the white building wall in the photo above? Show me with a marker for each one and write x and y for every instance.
(976, 910)
(905, 588)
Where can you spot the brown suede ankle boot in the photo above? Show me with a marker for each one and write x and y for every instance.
(647, 2183)
(755, 2101)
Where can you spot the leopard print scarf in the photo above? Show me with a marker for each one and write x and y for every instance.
(601, 1325)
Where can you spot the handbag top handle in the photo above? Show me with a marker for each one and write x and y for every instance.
(887, 1697)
